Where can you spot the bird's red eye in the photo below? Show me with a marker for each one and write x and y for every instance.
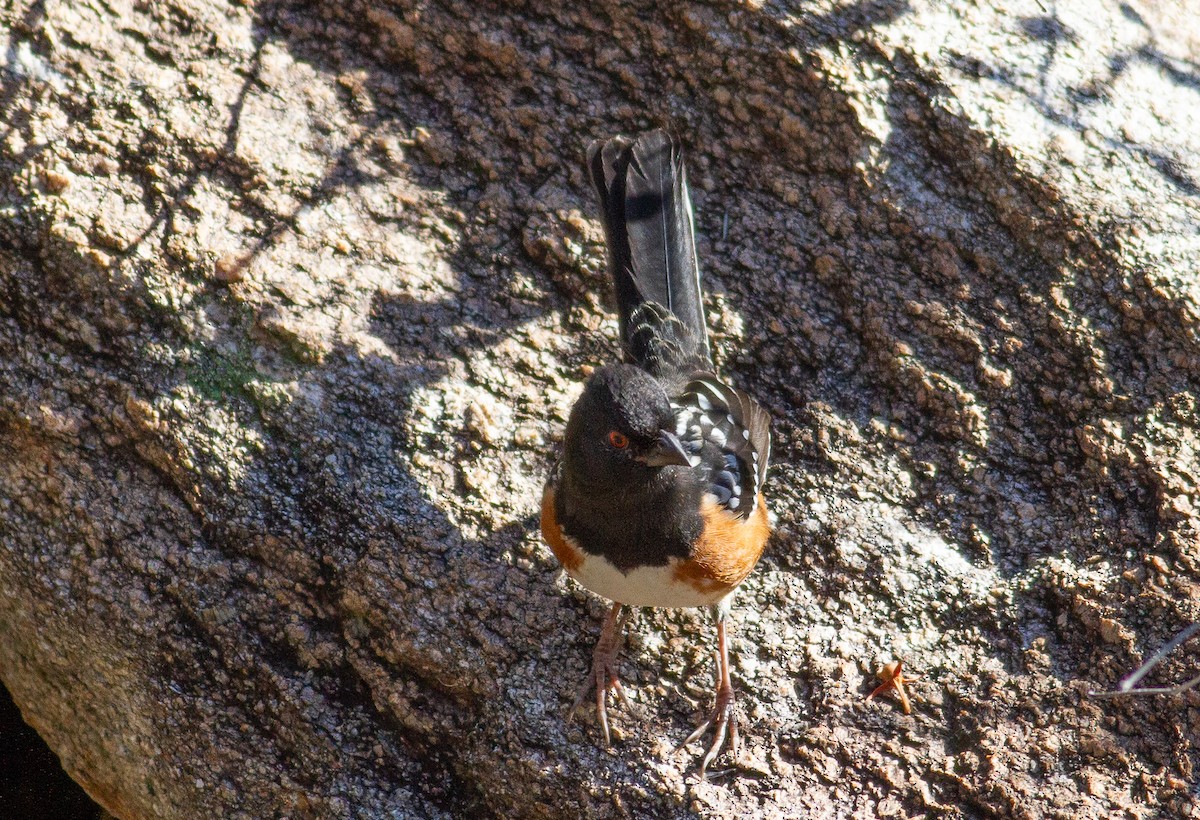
(618, 440)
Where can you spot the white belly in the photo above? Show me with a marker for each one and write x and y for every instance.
(645, 586)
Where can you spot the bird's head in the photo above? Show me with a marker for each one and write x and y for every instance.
(621, 430)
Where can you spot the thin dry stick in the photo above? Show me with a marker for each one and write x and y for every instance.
(1126, 687)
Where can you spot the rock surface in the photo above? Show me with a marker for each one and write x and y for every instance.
(294, 298)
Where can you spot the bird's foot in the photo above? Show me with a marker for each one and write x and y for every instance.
(723, 721)
(603, 675)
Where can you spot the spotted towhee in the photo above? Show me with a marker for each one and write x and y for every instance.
(657, 500)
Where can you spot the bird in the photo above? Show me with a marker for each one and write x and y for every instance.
(657, 498)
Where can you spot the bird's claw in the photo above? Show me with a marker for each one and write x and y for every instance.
(603, 679)
(603, 675)
(723, 721)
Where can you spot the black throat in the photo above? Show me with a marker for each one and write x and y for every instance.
(637, 524)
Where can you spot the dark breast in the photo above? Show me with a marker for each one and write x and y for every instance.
(639, 526)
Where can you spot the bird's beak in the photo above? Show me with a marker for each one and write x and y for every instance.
(667, 450)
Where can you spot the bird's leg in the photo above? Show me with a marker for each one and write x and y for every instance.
(603, 675)
(723, 718)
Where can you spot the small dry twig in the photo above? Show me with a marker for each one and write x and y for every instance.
(1126, 686)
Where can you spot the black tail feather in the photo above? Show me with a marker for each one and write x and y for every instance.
(648, 227)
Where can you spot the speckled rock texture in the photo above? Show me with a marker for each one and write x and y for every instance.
(294, 298)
